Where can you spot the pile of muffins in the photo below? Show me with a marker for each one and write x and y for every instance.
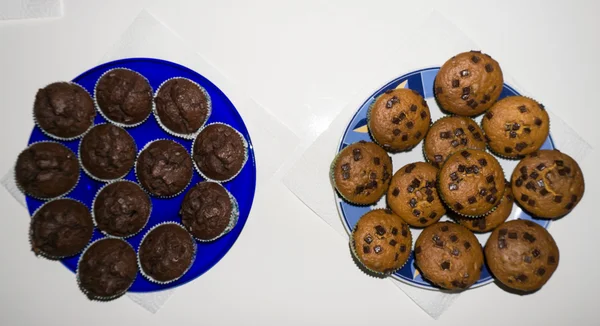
(460, 179)
(63, 227)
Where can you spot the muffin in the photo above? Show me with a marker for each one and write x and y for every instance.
(164, 168)
(399, 119)
(469, 83)
(60, 228)
(381, 242)
(522, 255)
(208, 211)
(548, 183)
(219, 152)
(449, 256)
(412, 195)
(46, 170)
(492, 220)
(124, 97)
(516, 126)
(361, 172)
(471, 182)
(121, 209)
(182, 106)
(449, 135)
(107, 269)
(166, 253)
(64, 110)
(107, 152)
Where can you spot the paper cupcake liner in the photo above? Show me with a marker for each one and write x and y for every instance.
(233, 219)
(85, 291)
(171, 132)
(138, 178)
(108, 235)
(41, 198)
(150, 278)
(243, 163)
(120, 124)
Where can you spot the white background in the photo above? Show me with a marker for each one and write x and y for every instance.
(302, 60)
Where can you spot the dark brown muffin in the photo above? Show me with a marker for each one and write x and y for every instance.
(124, 96)
(64, 110)
(471, 182)
(522, 255)
(60, 228)
(413, 195)
(468, 83)
(121, 209)
(219, 152)
(47, 170)
(207, 211)
(493, 219)
(449, 256)
(164, 168)
(107, 152)
(361, 172)
(181, 106)
(449, 135)
(548, 183)
(399, 119)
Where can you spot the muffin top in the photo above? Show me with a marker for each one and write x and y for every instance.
(124, 96)
(219, 152)
(449, 135)
(121, 209)
(182, 106)
(492, 220)
(107, 152)
(167, 252)
(164, 168)
(206, 210)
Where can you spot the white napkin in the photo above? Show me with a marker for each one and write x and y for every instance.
(29, 9)
(430, 45)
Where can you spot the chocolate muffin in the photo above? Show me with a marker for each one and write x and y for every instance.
(164, 168)
(64, 110)
(124, 97)
(493, 219)
(399, 119)
(381, 242)
(449, 135)
(522, 255)
(361, 172)
(516, 126)
(471, 182)
(208, 211)
(413, 196)
(46, 170)
(449, 256)
(60, 228)
(182, 106)
(219, 152)
(107, 269)
(166, 253)
(121, 209)
(548, 183)
(107, 152)
(468, 83)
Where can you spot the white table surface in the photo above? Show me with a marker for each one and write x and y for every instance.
(301, 60)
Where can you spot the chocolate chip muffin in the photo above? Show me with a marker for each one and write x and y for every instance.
(399, 119)
(449, 135)
(121, 209)
(107, 269)
(64, 110)
(46, 170)
(493, 219)
(381, 242)
(449, 256)
(60, 228)
(471, 182)
(107, 152)
(413, 196)
(164, 168)
(548, 183)
(219, 152)
(468, 83)
(522, 255)
(516, 126)
(182, 106)
(361, 172)
(124, 97)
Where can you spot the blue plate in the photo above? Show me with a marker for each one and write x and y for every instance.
(242, 187)
(421, 81)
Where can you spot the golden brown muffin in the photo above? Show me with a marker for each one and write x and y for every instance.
(493, 219)
(449, 135)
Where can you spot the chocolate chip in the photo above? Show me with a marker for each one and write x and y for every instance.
(465, 154)
(530, 186)
(453, 238)
(458, 206)
(413, 108)
(455, 83)
(432, 215)
(396, 257)
(519, 182)
(524, 197)
(376, 160)
(522, 108)
(422, 220)
(368, 239)
(389, 91)
(489, 178)
(444, 134)
(463, 141)
(402, 248)
(551, 260)
(559, 162)
(413, 203)
(536, 253)
(410, 167)
(380, 230)
(430, 199)
(473, 104)
(359, 189)
(418, 250)
(394, 231)
(529, 223)
(516, 126)
(507, 150)
(429, 184)
(475, 169)
(501, 243)
(486, 98)
(489, 68)
(458, 132)
(444, 228)
(562, 172)
(464, 73)
(531, 202)
(445, 265)
(472, 200)
(345, 175)
(453, 176)
(373, 176)
(404, 232)
(471, 128)
(487, 139)
(489, 115)
(482, 162)
(482, 192)
(366, 249)
(377, 249)
(475, 59)
(453, 186)
(466, 90)
(393, 242)
(423, 115)
(570, 206)
(521, 278)
(439, 243)
(512, 134)
(418, 135)
(464, 97)
(512, 235)
(410, 189)
(410, 125)
(454, 143)
(424, 103)
(557, 199)
(395, 120)
(573, 198)
(438, 158)
(527, 130)
(543, 191)
(541, 271)
(527, 259)
(404, 137)
(491, 199)
(356, 154)
(416, 212)
(520, 146)
(470, 102)
(391, 102)
(396, 192)
(396, 132)
(529, 237)
(538, 121)
(438, 90)
(461, 168)
(372, 185)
